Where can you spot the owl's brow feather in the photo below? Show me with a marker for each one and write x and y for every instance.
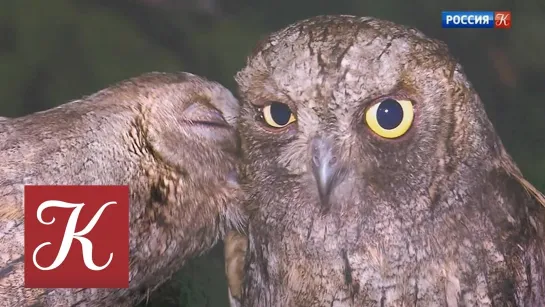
(452, 68)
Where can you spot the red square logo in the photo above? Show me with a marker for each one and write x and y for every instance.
(76, 236)
(502, 20)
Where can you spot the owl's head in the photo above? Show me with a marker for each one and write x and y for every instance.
(189, 122)
(338, 109)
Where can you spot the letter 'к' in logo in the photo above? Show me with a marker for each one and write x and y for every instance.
(76, 236)
(502, 20)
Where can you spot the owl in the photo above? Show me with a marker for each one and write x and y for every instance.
(170, 137)
(373, 176)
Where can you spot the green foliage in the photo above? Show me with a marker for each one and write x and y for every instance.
(201, 283)
(63, 50)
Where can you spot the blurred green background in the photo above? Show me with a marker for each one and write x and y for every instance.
(58, 50)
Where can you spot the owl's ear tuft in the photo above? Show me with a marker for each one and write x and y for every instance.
(509, 166)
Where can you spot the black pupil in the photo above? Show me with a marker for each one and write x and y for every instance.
(389, 114)
(280, 113)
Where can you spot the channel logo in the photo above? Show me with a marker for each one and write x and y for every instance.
(477, 19)
(76, 236)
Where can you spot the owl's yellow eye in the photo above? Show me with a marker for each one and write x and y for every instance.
(278, 115)
(390, 118)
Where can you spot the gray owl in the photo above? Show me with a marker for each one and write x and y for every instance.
(170, 137)
(375, 178)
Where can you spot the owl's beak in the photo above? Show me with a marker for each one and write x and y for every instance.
(325, 167)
